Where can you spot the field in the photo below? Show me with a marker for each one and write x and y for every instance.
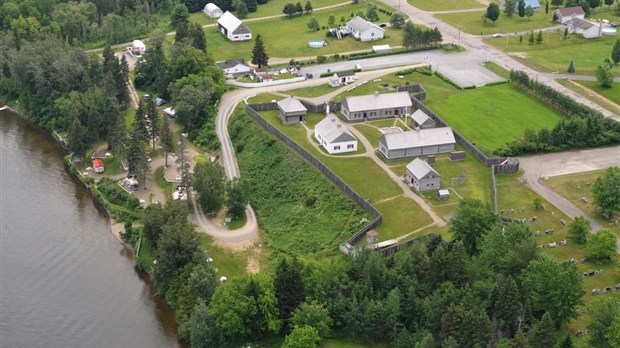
(445, 5)
(574, 187)
(555, 54)
(492, 116)
(595, 93)
(612, 93)
(472, 23)
(295, 42)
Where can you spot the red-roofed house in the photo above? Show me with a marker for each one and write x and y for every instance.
(563, 15)
(98, 165)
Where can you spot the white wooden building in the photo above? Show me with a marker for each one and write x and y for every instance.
(334, 136)
(233, 28)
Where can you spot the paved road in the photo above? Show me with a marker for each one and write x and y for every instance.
(539, 167)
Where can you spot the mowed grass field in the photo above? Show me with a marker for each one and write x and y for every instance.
(593, 95)
(472, 23)
(555, 54)
(612, 93)
(445, 5)
(494, 115)
(288, 37)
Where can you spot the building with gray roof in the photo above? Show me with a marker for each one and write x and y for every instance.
(421, 176)
(421, 120)
(378, 105)
(417, 143)
(292, 111)
(233, 28)
(334, 136)
(364, 30)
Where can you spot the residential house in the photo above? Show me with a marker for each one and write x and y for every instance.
(360, 108)
(417, 143)
(421, 176)
(563, 15)
(212, 11)
(234, 67)
(334, 136)
(342, 78)
(292, 111)
(364, 30)
(98, 165)
(585, 28)
(233, 28)
(421, 120)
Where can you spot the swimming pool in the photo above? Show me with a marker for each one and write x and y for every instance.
(609, 31)
(316, 43)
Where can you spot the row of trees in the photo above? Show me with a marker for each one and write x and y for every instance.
(416, 37)
(291, 10)
(489, 285)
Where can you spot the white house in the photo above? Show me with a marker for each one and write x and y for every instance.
(342, 77)
(212, 11)
(417, 143)
(563, 15)
(364, 30)
(233, 28)
(138, 47)
(334, 136)
(585, 28)
(234, 67)
(421, 176)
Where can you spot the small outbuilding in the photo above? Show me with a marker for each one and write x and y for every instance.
(364, 30)
(98, 165)
(212, 11)
(563, 15)
(421, 120)
(292, 111)
(443, 195)
(233, 28)
(378, 105)
(381, 48)
(138, 47)
(334, 136)
(417, 143)
(342, 78)
(234, 67)
(421, 176)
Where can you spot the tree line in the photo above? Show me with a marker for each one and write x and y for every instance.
(580, 126)
(490, 286)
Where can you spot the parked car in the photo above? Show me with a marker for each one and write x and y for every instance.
(496, 35)
(160, 101)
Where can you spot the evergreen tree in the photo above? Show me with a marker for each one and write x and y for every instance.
(203, 331)
(259, 56)
(409, 40)
(183, 161)
(507, 306)
(492, 12)
(567, 342)
(197, 37)
(252, 5)
(546, 6)
(308, 7)
(521, 8)
(542, 333)
(118, 138)
(571, 67)
(152, 116)
(75, 138)
(299, 9)
(236, 199)
(531, 39)
(289, 288)
(122, 87)
(166, 139)
(136, 156)
(539, 37)
(108, 55)
(615, 52)
(242, 10)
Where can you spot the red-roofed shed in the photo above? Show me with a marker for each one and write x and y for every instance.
(98, 165)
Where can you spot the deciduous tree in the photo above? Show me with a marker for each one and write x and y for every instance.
(542, 333)
(605, 191)
(302, 337)
(509, 7)
(210, 186)
(397, 20)
(308, 7)
(313, 24)
(242, 10)
(603, 312)
(472, 221)
(312, 314)
(289, 288)
(203, 331)
(602, 245)
(578, 229)
(492, 12)
(236, 199)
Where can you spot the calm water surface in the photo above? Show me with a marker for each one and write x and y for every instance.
(64, 280)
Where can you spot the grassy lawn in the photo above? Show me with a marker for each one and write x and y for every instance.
(264, 98)
(592, 95)
(612, 93)
(573, 187)
(444, 5)
(471, 22)
(401, 215)
(494, 115)
(555, 54)
(369, 132)
(295, 42)
(312, 91)
(229, 263)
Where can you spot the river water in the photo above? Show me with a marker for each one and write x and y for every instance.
(64, 280)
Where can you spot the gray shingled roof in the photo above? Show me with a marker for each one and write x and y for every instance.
(378, 101)
(345, 73)
(419, 117)
(360, 24)
(291, 104)
(583, 24)
(569, 11)
(333, 131)
(230, 63)
(417, 138)
(232, 23)
(419, 168)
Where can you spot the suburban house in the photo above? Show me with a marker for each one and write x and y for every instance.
(292, 111)
(138, 47)
(360, 108)
(342, 78)
(98, 165)
(364, 30)
(421, 176)
(417, 143)
(421, 120)
(334, 136)
(234, 29)
(234, 67)
(585, 28)
(533, 4)
(563, 15)
(212, 11)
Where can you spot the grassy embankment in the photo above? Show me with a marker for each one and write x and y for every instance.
(300, 211)
(608, 98)
(294, 43)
